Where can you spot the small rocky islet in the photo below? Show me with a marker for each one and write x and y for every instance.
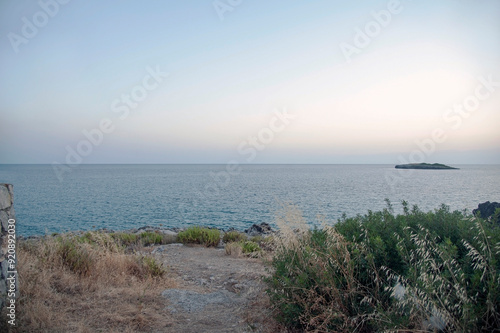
(425, 166)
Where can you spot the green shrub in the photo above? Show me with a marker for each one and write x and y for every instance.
(151, 238)
(199, 235)
(438, 270)
(233, 236)
(316, 284)
(447, 292)
(250, 247)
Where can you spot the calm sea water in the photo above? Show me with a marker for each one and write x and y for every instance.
(127, 196)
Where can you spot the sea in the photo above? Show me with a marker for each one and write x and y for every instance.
(119, 197)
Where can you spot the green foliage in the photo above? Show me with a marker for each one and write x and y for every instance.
(153, 268)
(247, 247)
(316, 284)
(151, 238)
(382, 271)
(75, 256)
(233, 236)
(199, 235)
(146, 238)
(250, 247)
(437, 289)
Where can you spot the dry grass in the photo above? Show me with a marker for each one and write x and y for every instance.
(234, 249)
(291, 224)
(110, 292)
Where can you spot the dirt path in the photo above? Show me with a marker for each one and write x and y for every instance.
(215, 292)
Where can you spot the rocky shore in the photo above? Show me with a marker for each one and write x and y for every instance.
(262, 229)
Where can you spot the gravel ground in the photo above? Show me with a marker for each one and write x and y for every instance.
(216, 292)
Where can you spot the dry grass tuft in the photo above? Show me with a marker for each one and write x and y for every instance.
(292, 225)
(70, 285)
(234, 249)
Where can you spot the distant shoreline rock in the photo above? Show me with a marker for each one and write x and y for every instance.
(425, 166)
(487, 209)
(262, 229)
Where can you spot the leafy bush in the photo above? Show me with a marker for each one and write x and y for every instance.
(233, 236)
(199, 235)
(416, 271)
(250, 247)
(151, 238)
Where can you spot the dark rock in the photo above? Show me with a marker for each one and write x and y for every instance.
(487, 209)
(259, 229)
(425, 166)
(147, 228)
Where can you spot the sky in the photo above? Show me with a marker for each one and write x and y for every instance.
(249, 81)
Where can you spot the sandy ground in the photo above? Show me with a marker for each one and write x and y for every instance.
(215, 292)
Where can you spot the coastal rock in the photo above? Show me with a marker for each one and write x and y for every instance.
(487, 209)
(5, 198)
(169, 233)
(425, 166)
(259, 229)
(4, 218)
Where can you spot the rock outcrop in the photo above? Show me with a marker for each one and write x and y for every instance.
(487, 209)
(425, 166)
(259, 229)
(7, 223)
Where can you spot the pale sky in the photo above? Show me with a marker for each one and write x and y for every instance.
(355, 81)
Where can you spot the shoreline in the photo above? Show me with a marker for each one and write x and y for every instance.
(262, 229)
